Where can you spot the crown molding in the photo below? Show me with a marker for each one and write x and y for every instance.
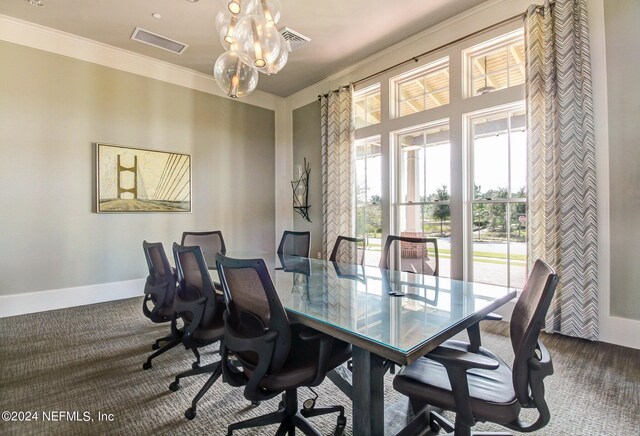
(66, 44)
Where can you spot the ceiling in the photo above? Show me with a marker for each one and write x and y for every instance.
(342, 32)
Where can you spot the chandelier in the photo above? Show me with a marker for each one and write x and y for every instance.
(247, 30)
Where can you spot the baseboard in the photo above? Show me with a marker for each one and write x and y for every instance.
(31, 302)
(620, 331)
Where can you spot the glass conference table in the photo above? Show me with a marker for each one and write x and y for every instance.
(387, 316)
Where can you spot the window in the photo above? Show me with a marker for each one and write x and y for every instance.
(453, 167)
(369, 197)
(424, 183)
(422, 89)
(499, 209)
(496, 64)
(367, 106)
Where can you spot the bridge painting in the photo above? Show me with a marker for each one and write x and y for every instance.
(138, 180)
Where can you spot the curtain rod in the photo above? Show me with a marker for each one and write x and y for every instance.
(335, 91)
(428, 52)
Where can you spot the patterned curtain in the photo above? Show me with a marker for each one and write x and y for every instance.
(562, 166)
(338, 177)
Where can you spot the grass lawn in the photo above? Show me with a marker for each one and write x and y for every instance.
(479, 256)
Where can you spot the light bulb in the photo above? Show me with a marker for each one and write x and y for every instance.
(257, 47)
(234, 6)
(226, 27)
(277, 64)
(269, 9)
(233, 76)
(258, 43)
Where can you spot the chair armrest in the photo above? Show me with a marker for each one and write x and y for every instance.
(456, 362)
(464, 359)
(543, 364)
(539, 368)
(263, 346)
(196, 307)
(157, 292)
(473, 331)
(492, 317)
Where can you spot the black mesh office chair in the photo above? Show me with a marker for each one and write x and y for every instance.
(417, 255)
(294, 243)
(159, 293)
(348, 251)
(480, 386)
(201, 311)
(210, 243)
(275, 356)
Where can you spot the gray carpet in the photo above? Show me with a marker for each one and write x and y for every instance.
(89, 359)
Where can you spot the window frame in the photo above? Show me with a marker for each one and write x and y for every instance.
(413, 74)
(458, 106)
(366, 94)
(471, 201)
(484, 48)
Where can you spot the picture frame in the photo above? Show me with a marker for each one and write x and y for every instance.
(132, 179)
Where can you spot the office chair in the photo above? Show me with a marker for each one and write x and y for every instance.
(276, 356)
(481, 386)
(210, 244)
(201, 310)
(159, 292)
(348, 251)
(416, 255)
(294, 244)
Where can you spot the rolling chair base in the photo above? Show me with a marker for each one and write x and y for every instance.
(166, 347)
(291, 418)
(216, 371)
(436, 422)
(156, 344)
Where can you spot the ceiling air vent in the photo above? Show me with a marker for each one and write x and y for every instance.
(295, 39)
(155, 40)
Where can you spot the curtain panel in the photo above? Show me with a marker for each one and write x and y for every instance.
(562, 166)
(338, 175)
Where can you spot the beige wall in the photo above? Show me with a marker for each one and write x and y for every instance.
(53, 108)
(623, 55)
(307, 143)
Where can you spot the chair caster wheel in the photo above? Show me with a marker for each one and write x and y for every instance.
(155, 346)
(255, 403)
(146, 365)
(309, 404)
(195, 365)
(341, 424)
(174, 386)
(190, 413)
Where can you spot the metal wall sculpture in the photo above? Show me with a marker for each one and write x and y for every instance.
(300, 188)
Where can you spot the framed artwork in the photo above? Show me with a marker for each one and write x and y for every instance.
(138, 180)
